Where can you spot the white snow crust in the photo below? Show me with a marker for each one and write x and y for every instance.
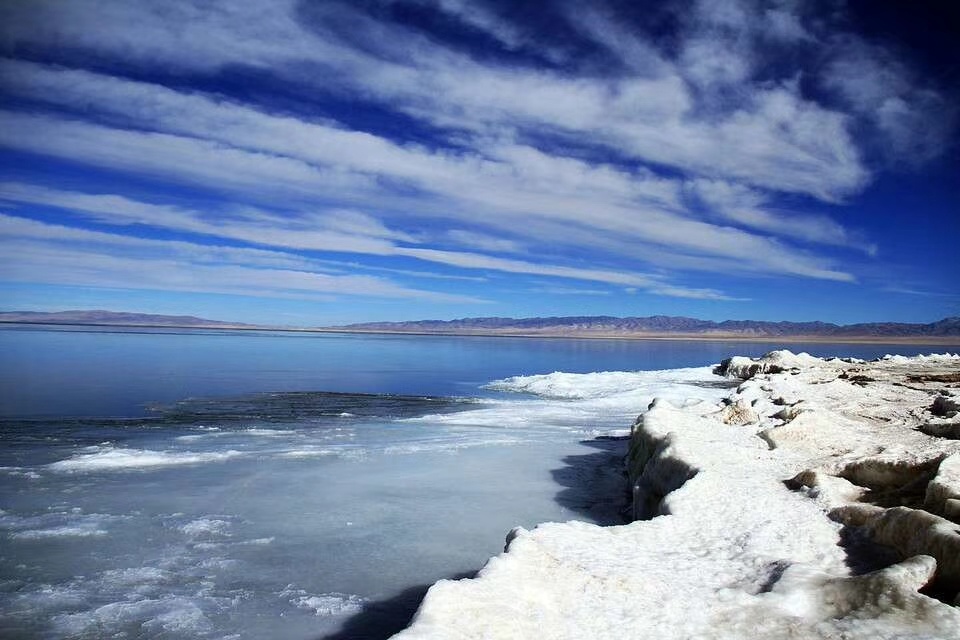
(109, 458)
(330, 604)
(746, 502)
(578, 386)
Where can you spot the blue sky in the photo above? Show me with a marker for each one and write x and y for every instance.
(312, 163)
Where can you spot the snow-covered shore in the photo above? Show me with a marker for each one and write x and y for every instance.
(762, 516)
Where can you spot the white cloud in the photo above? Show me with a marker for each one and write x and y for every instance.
(415, 273)
(491, 186)
(605, 29)
(911, 119)
(319, 233)
(570, 291)
(189, 35)
(484, 19)
(574, 228)
(918, 292)
(750, 208)
(173, 158)
(286, 238)
(709, 61)
(633, 115)
(780, 24)
(55, 254)
(477, 261)
(521, 172)
(484, 242)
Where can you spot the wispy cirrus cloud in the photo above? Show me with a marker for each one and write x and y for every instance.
(125, 211)
(334, 230)
(904, 118)
(607, 155)
(42, 253)
(490, 187)
(443, 84)
(750, 208)
(292, 234)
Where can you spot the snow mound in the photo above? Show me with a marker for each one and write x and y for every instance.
(773, 362)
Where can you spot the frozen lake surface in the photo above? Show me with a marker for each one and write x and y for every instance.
(164, 484)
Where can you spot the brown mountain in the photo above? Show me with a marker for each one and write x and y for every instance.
(945, 330)
(666, 326)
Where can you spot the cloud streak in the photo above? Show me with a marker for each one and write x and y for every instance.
(44, 253)
(123, 211)
(490, 187)
(578, 147)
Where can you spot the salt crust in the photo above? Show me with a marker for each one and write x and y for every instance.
(734, 552)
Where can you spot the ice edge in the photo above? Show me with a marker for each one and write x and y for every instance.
(733, 535)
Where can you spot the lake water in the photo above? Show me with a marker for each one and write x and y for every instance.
(204, 484)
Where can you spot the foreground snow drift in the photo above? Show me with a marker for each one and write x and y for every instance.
(749, 501)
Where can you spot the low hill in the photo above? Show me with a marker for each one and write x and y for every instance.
(113, 318)
(665, 326)
(946, 331)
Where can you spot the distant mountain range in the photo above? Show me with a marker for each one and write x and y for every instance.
(570, 326)
(115, 318)
(665, 326)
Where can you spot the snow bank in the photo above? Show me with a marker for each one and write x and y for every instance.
(872, 460)
(735, 538)
(604, 384)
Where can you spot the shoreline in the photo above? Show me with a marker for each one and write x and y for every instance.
(675, 337)
(819, 499)
(950, 341)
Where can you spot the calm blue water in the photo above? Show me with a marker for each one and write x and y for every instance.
(92, 372)
(170, 484)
